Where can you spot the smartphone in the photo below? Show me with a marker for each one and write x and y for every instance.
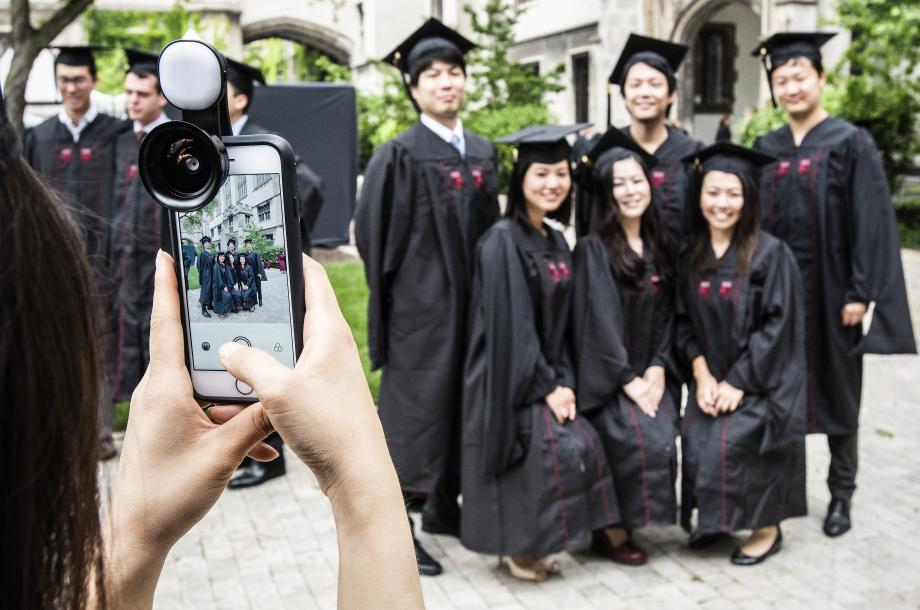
(236, 291)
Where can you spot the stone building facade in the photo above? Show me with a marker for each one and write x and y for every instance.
(585, 36)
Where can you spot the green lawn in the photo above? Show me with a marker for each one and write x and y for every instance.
(193, 283)
(347, 280)
(351, 290)
(907, 209)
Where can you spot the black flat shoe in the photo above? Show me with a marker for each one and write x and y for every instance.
(837, 521)
(427, 565)
(257, 473)
(699, 541)
(740, 559)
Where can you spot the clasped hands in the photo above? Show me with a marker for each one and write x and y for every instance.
(714, 397)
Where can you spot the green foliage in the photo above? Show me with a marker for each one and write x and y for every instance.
(497, 79)
(766, 119)
(347, 280)
(495, 122)
(143, 30)
(876, 82)
(382, 116)
(285, 61)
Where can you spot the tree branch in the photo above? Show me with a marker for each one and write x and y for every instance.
(60, 20)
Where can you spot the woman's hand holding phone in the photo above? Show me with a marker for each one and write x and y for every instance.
(176, 462)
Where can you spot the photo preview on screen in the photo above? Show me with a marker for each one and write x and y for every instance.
(234, 290)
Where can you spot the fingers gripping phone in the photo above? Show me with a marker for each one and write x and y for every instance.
(234, 198)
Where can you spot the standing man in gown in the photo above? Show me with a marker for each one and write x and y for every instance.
(645, 74)
(827, 197)
(141, 225)
(428, 195)
(74, 151)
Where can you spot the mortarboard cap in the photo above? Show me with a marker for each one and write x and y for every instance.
(10, 144)
(730, 158)
(76, 56)
(205, 239)
(141, 59)
(619, 145)
(660, 54)
(542, 143)
(783, 46)
(231, 241)
(430, 36)
(242, 75)
(787, 45)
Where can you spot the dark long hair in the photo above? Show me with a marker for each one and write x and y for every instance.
(517, 204)
(627, 266)
(49, 377)
(745, 235)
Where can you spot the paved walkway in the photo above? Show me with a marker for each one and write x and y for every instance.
(274, 546)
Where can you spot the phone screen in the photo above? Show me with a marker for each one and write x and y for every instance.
(236, 286)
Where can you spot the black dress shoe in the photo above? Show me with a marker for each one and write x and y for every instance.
(740, 559)
(257, 473)
(205, 313)
(700, 541)
(837, 521)
(427, 565)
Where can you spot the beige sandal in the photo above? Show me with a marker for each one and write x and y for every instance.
(534, 572)
(552, 566)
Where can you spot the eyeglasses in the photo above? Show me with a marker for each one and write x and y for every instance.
(78, 81)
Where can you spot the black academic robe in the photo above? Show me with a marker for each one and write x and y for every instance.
(140, 229)
(620, 330)
(421, 211)
(246, 284)
(828, 199)
(254, 260)
(222, 278)
(205, 266)
(745, 469)
(83, 173)
(310, 190)
(530, 484)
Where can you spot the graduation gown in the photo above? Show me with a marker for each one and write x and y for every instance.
(310, 190)
(83, 172)
(745, 469)
(222, 277)
(828, 199)
(140, 229)
(530, 485)
(671, 187)
(254, 260)
(620, 330)
(245, 276)
(421, 211)
(205, 266)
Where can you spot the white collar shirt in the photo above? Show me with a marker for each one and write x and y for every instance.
(454, 136)
(76, 130)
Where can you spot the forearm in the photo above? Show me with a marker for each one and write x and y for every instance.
(700, 368)
(377, 566)
(132, 568)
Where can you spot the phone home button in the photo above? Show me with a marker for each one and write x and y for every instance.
(243, 388)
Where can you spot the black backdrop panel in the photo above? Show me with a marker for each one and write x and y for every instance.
(320, 122)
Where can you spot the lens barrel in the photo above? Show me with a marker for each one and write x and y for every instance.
(181, 166)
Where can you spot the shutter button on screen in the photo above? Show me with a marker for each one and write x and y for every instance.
(243, 388)
(242, 341)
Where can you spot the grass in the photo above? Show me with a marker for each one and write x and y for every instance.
(347, 280)
(907, 210)
(193, 282)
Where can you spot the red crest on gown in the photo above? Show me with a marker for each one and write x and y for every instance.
(553, 270)
(804, 165)
(783, 169)
(658, 177)
(564, 269)
(656, 284)
(704, 289)
(725, 289)
(456, 178)
(477, 177)
(66, 155)
(86, 154)
(132, 171)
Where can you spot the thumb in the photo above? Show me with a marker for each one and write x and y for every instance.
(239, 435)
(252, 366)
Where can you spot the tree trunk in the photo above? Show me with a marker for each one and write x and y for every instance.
(27, 42)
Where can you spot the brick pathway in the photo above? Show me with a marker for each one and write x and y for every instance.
(274, 546)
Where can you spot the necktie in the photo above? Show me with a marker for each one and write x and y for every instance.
(140, 136)
(455, 142)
